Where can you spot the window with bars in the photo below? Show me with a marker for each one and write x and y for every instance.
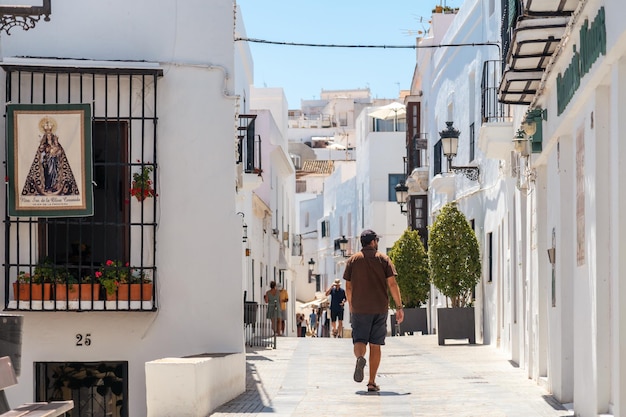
(54, 251)
(97, 388)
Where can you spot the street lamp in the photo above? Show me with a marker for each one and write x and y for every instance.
(520, 143)
(244, 237)
(402, 191)
(343, 245)
(311, 266)
(450, 144)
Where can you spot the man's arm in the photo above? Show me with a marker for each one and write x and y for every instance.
(349, 292)
(395, 293)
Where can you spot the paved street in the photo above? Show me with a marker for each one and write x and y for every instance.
(313, 377)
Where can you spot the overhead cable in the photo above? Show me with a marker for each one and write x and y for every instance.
(320, 45)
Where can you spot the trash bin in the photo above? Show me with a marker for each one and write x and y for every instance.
(249, 312)
(11, 339)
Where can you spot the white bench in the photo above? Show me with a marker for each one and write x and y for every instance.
(51, 409)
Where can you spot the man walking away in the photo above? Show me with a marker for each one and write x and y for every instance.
(337, 300)
(369, 274)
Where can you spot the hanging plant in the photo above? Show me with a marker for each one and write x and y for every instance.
(141, 187)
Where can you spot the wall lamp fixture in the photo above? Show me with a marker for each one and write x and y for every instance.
(402, 192)
(311, 267)
(244, 237)
(450, 144)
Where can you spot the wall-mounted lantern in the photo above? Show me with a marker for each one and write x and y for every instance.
(244, 237)
(311, 267)
(450, 144)
(343, 245)
(402, 192)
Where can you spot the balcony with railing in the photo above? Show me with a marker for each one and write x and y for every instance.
(248, 152)
(495, 134)
(531, 32)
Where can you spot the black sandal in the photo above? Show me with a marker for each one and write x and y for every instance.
(372, 387)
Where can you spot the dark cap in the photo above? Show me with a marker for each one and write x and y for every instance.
(367, 236)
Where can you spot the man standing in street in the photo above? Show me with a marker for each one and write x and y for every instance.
(337, 300)
(369, 275)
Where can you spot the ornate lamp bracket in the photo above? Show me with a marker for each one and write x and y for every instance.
(25, 17)
(471, 173)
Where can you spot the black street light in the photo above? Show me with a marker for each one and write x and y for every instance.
(450, 145)
(343, 245)
(311, 266)
(402, 192)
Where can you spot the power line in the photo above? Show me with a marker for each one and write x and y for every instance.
(321, 45)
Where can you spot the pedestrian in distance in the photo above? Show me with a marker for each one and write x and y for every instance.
(302, 324)
(370, 276)
(272, 298)
(284, 297)
(313, 322)
(337, 301)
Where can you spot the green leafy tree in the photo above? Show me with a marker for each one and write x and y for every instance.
(411, 261)
(454, 256)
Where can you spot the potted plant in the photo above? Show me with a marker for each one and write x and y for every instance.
(36, 286)
(72, 289)
(411, 262)
(455, 270)
(123, 282)
(141, 187)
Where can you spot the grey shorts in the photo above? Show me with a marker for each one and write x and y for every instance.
(369, 328)
(283, 314)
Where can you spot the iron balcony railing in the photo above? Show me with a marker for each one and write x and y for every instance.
(249, 145)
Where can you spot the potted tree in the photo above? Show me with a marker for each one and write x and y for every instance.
(411, 262)
(455, 270)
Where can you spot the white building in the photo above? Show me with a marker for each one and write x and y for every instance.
(160, 84)
(546, 209)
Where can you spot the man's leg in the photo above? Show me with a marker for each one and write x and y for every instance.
(333, 318)
(359, 349)
(359, 352)
(340, 329)
(375, 353)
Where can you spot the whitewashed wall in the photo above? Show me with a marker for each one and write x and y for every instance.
(199, 234)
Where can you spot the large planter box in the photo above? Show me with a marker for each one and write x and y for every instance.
(134, 292)
(87, 292)
(415, 320)
(31, 292)
(456, 323)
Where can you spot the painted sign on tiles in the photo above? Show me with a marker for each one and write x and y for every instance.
(592, 45)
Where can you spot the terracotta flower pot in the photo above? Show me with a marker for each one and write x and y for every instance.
(137, 292)
(87, 292)
(31, 292)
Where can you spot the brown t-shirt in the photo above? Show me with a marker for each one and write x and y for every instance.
(367, 272)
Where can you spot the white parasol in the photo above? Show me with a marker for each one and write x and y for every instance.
(390, 111)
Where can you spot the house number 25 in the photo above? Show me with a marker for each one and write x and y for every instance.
(83, 339)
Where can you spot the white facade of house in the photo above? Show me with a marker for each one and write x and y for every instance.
(273, 201)
(198, 255)
(379, 154)
(562, 322)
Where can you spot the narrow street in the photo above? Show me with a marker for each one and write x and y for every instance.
(313, 377)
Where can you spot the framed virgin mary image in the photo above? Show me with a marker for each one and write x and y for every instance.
(49, 160)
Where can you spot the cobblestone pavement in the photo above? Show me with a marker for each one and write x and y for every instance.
(313, 377)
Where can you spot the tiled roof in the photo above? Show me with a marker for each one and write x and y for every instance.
(318, 167)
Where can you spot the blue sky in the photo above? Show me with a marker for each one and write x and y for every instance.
(304, 71)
